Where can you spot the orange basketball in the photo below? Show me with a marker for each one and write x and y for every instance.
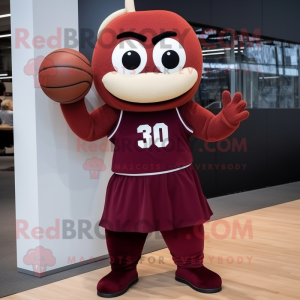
(65, 76)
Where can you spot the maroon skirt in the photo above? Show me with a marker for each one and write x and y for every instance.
(155, 203)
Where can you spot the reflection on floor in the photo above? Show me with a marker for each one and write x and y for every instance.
(262, 264)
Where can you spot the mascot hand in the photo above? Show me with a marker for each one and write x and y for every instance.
(65, 76)
(234, 111)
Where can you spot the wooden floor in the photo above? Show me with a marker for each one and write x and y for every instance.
(266, 267)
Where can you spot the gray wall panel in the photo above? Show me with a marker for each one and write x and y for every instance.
(237, 14)
(192, 10)
(281, 19)
(91, 14)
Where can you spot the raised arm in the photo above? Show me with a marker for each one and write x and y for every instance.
(90, 127)
(66, 76)
(210, 127)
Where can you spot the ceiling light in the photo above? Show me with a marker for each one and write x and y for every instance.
(5, 16)
(273, 77)
(221, 49)
(213, 53)
(213, 50)
(5, 35)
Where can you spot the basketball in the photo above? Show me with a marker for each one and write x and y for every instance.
(65, 76)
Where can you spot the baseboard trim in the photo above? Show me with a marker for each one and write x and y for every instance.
(68, 267)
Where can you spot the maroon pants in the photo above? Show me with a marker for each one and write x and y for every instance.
(185, 245)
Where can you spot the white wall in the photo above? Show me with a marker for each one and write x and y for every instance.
(50, 180)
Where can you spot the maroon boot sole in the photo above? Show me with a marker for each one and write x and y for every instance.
(134, 281)
(206, 291)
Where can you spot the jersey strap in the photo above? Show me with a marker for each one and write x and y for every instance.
(115, 130)
(183, 123)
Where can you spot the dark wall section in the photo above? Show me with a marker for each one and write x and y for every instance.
(283, 142)
(198, 11)
(237, 14)
(91, 14)
(264, 151)
(282, 18)
(276, 18)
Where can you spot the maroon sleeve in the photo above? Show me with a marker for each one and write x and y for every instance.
(205, 124)
(90, 127)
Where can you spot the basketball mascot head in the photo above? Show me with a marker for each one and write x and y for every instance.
(146, 60)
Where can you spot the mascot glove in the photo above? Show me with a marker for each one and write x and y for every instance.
(234, 111)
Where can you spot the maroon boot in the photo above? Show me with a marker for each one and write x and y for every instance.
(116, 283)
(186, 246)
(125, 250)
(200, 279)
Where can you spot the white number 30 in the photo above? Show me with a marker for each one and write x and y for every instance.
(160, 135)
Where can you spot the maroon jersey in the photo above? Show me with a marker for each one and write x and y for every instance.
(151, 143)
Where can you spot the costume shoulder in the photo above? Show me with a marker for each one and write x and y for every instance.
(93, 126)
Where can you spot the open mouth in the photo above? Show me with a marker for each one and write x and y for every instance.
(141, 104)
(150, 87)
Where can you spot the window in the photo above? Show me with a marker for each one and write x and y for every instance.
(264, 70)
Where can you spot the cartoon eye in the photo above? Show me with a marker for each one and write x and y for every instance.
(91, 165)
(35, 258)
(43, 258)
(129, 57)
(169, 56)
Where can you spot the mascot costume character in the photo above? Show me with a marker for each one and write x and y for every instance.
(146, 66)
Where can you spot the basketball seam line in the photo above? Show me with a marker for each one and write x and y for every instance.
(59, 87)
(76, 68)
(71, 101)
